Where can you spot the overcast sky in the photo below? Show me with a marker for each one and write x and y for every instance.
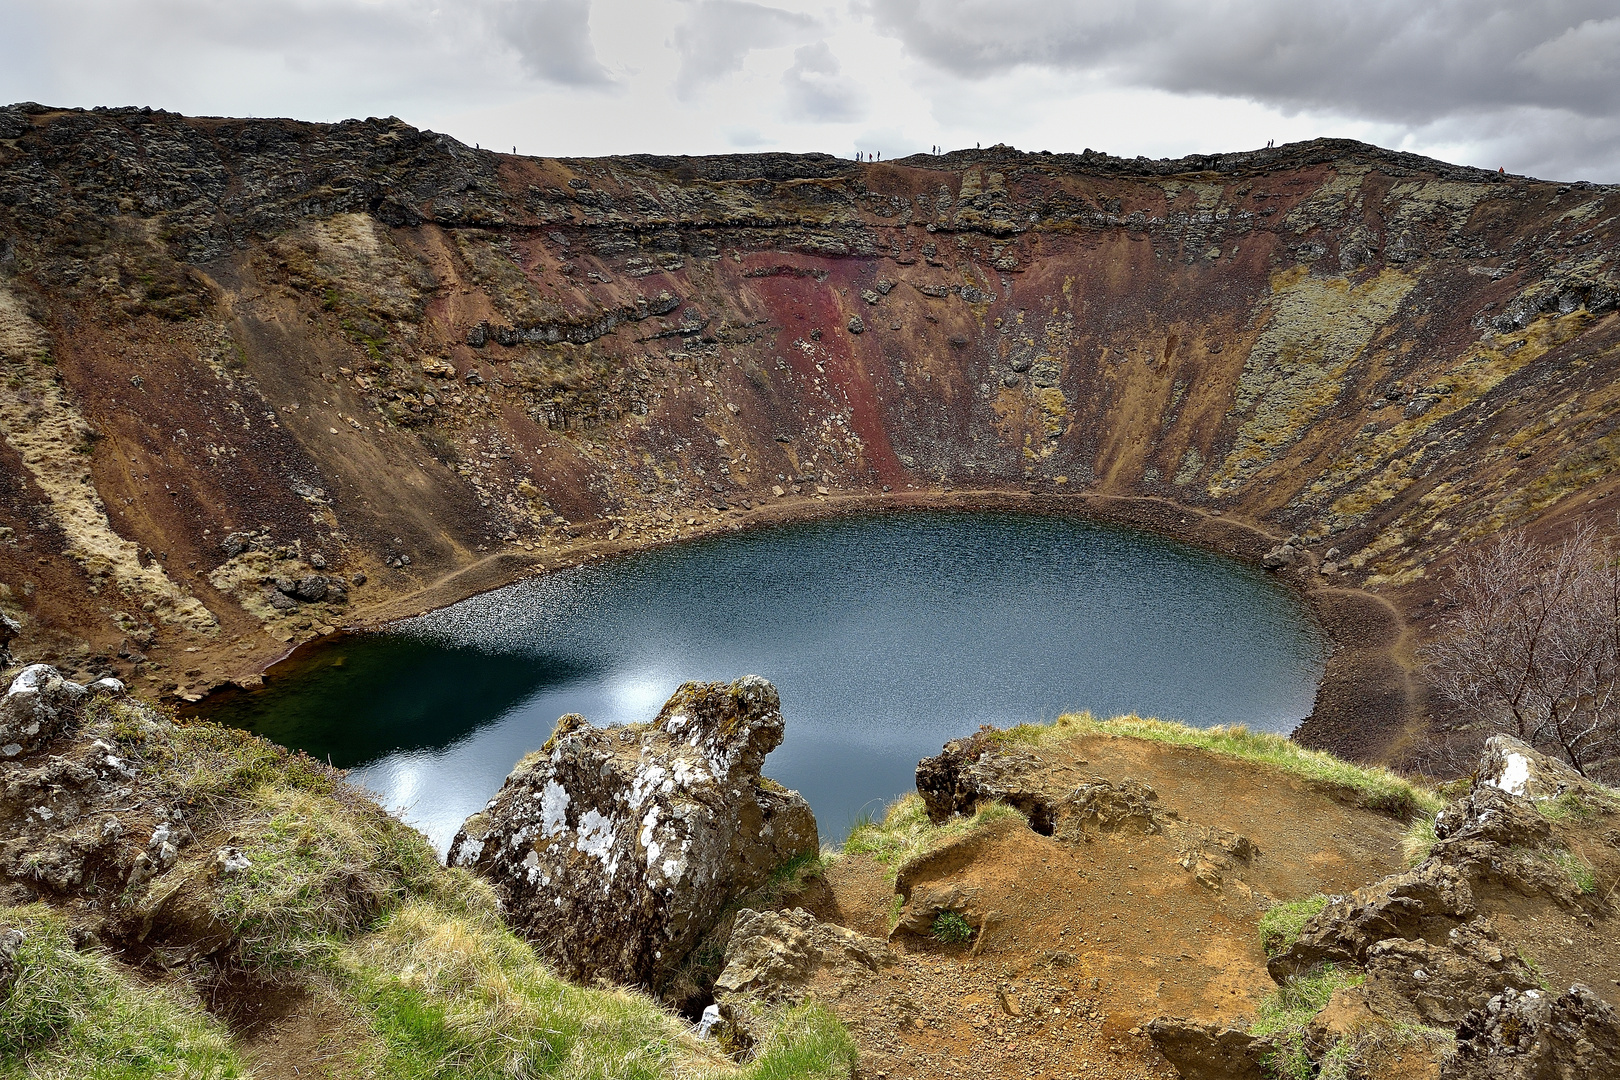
(1532, 85)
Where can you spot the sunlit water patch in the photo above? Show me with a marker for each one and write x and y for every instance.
(886, 635)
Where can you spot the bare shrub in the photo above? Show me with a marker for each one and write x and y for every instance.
(1530, 645)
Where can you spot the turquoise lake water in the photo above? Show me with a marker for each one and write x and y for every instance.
(886, 635)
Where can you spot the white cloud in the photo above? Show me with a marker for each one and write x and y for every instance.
(816, 88)
(717, 36)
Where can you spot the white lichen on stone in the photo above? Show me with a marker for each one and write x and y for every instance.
(596, 834)
(553, 809)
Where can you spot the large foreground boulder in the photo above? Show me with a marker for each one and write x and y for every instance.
(615, 849)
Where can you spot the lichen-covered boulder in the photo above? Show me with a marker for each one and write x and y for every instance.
(1532, 1035)
(1517, 768)
(614, 850)
(36, 704)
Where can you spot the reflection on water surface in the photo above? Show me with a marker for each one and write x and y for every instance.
(886, 635)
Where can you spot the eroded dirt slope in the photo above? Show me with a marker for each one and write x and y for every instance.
(1148, 905)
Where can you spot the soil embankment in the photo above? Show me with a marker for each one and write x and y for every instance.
(1149, 905)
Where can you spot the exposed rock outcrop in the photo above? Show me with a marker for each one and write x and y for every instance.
(987, 768)
(1398, 906)
(1211, 1051)
(1535, 1036)
(775, 955)
(616, 849)
(1418, 982)
(34, 706)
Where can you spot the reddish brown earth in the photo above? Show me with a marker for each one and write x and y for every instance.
(1088, 942)
(361, 342)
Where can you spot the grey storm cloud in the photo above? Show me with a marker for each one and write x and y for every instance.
(717, 35)
(815, 89)
(389, 53)
(1506, 71)
(553, 38)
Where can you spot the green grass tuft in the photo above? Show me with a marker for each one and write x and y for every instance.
(323, 869)
(1577, 806)
(905, 831)
(806, 1043)
(1287, 1011)
(1419, 839)
(1281, 924)
(1578, 870)
(75, 1015)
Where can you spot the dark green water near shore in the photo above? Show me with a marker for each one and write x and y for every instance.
(886, 635)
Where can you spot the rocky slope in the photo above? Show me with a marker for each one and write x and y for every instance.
(262, 378)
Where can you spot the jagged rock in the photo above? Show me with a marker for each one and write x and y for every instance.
(13, 123)
(37, 703)
(230, 860)
(1101, 805)
(9, 629)
(856, 324)
(773, 955)
(1492, 815)
(1284, 554)
(311, 588)
(1418, 982)
(980, 769)
(1393, 907)
(1534, 1036)
(615, 850)
(236, 543)
(1492, 836)
(1209, 1051)
(1518, 769)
